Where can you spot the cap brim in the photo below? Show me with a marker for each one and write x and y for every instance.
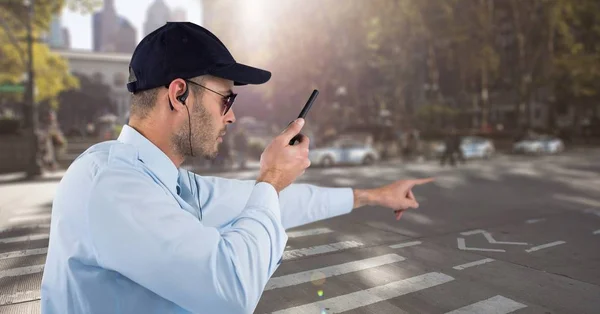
(242, 74)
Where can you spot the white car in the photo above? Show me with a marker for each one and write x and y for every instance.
(539, 145)
(343, 152)
(471, 146)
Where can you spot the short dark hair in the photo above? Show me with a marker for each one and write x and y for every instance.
(143, 102)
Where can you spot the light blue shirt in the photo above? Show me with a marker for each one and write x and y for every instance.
(131, 233)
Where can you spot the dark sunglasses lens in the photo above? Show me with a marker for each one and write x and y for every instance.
(228, 103)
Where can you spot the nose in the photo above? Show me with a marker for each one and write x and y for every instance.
(230, 116)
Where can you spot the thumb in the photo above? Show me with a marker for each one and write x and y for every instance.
(293, 129)
(411, 203)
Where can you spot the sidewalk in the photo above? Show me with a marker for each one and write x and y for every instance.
(24, 201)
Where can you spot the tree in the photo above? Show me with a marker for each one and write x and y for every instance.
(577, 57)
(86, 104)
(52, 76)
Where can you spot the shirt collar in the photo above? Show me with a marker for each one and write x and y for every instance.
(154, 158)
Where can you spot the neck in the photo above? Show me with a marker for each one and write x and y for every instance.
(151, 130)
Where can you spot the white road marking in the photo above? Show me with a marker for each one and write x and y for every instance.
(488, 237)
(23, 253)
(543, 246)
(533, 221)
(23, 227)
(592, 211)
(21, 271)
(472, 232)
(494, 305)
(320, 249)
(33, 237)
(18, 297)
(38, 217)
(330, 271)
(578, 199)
(475, 263)
(304, 233)
(369, 296)
(596, 232)
(462, 246)
(401, 245)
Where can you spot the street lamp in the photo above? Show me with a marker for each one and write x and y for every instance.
(35, 168)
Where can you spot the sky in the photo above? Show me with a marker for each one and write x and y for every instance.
(80, 26)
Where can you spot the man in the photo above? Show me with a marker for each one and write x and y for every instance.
(452, 149)
(133, 233)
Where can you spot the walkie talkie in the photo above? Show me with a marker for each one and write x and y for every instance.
(304, 112)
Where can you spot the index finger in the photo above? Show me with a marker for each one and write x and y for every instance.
(422, 181)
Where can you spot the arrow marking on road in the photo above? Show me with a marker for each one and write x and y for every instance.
(472, 232)
(488, 236)
(462, 246)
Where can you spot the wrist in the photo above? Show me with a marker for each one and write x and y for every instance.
(271, 177)
(363, 198)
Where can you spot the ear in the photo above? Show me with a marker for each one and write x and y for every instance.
(178, 93)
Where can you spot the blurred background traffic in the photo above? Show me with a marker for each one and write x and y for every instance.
(406, 80)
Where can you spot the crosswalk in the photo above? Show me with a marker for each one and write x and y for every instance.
(382, 285)
(379, 286)
(372, 295)
(23, 249)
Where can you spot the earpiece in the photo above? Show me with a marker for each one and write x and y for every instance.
(182, 98)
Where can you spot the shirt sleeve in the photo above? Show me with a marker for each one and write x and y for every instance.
(305, 203)
(139, 231)
(300, 203)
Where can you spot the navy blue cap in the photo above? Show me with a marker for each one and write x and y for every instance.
(185, 50)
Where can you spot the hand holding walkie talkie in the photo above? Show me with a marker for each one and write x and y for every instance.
(286, 157)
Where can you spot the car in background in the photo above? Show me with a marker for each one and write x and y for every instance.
(471, 146)
(343, 152)
(537, 145)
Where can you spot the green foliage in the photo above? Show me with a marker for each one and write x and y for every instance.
(51, 71)
(385, 53)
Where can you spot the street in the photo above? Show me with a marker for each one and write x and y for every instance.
(514, 234)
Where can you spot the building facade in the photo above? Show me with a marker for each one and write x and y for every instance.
(112, 33)
(111, 69)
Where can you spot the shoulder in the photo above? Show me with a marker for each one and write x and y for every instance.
(111, 160)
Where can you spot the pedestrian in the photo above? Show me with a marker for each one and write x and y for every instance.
(133, 232)
(452, 149)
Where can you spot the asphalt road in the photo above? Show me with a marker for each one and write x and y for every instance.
(509, 235)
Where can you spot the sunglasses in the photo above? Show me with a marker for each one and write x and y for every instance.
(227, 99)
